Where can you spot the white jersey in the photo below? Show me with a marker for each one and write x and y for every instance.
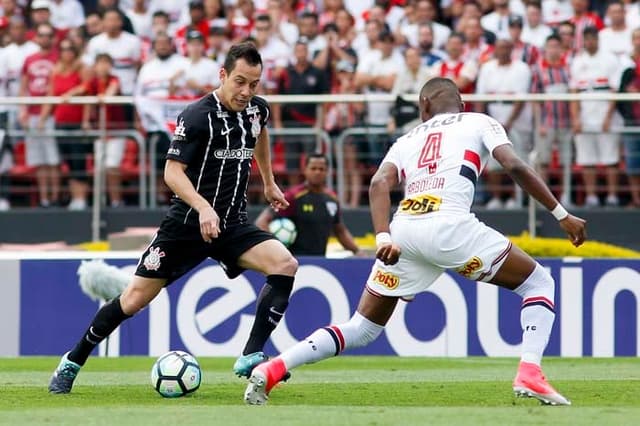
(440, 160)
(125, 52)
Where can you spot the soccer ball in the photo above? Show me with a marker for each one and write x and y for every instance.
(175, 374)
(284, 230)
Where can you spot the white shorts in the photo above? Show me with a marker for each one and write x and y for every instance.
(545, 144)
(431, 245)
(597, 148)
(115, 152)
(41, 149)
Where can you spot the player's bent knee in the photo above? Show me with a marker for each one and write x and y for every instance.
(284, 265)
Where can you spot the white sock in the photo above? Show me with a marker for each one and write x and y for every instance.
(330, 341)
(537, 314)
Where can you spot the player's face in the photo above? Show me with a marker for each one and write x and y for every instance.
(316, 172)
(240, 85)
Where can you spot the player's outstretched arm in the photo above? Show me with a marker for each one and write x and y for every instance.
(531, 182)
(380, 205)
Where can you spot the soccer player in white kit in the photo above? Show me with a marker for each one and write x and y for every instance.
(438, 163)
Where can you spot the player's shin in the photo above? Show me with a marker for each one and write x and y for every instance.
(331, 341)
(272, 303)
(537, 314)
(107, 319)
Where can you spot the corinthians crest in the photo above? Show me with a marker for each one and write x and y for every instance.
(255, 125)
(152, 260)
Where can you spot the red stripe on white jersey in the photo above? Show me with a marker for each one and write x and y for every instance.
(473, 158)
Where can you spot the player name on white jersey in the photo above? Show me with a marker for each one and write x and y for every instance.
(440, 161)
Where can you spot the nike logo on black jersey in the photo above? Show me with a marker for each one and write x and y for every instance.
(226, 132)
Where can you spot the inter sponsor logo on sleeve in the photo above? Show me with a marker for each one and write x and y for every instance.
(420, 205)
(386, 279)
(471, 267)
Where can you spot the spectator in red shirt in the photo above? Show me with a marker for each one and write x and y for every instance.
(66, 81)
(198, 22)
(105, 83)
(41, 150)
(583, 18)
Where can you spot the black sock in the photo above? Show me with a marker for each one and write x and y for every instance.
(272, 302)
(108, 318)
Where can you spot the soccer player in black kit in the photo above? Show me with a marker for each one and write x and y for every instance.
(208, 166)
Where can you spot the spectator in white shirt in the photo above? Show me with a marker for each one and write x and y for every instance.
(140, 17)
(123, 47)
(535, 32)
(287, 31)
(377, 73)
(66, 13)
(202, 74)
(409, 80)
(594, 69)
(616, 37)
(556, 11)
(424, 13)
(157, 79)
(367, 39)
(503, 75)
(275, 52)
(498, 21)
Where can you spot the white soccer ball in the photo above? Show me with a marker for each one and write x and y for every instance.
(175, 374)
(284, 230)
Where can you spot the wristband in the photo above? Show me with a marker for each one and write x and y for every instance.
(559, 212)
(382, 238)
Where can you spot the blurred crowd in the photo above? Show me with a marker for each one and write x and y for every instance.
(175, 48)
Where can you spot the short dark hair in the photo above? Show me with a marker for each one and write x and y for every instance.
(316, 156)
(103, 57)
(555, 37)
(160, 14)
(311, 15)
(245, 50)
(590, 31)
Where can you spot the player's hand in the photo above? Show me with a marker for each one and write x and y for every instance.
(209, 224)
(275, 197)
(576, 229)
(388, 253)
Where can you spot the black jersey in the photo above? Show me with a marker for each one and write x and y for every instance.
(217, 146)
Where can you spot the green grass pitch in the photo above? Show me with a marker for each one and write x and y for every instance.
(342, 391)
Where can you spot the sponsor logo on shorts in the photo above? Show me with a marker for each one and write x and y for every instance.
(469, 268)
(152, 260)
(234, 154)
(386, 279)
(420, 205)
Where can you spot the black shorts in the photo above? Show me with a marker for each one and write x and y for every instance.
(178, 248)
